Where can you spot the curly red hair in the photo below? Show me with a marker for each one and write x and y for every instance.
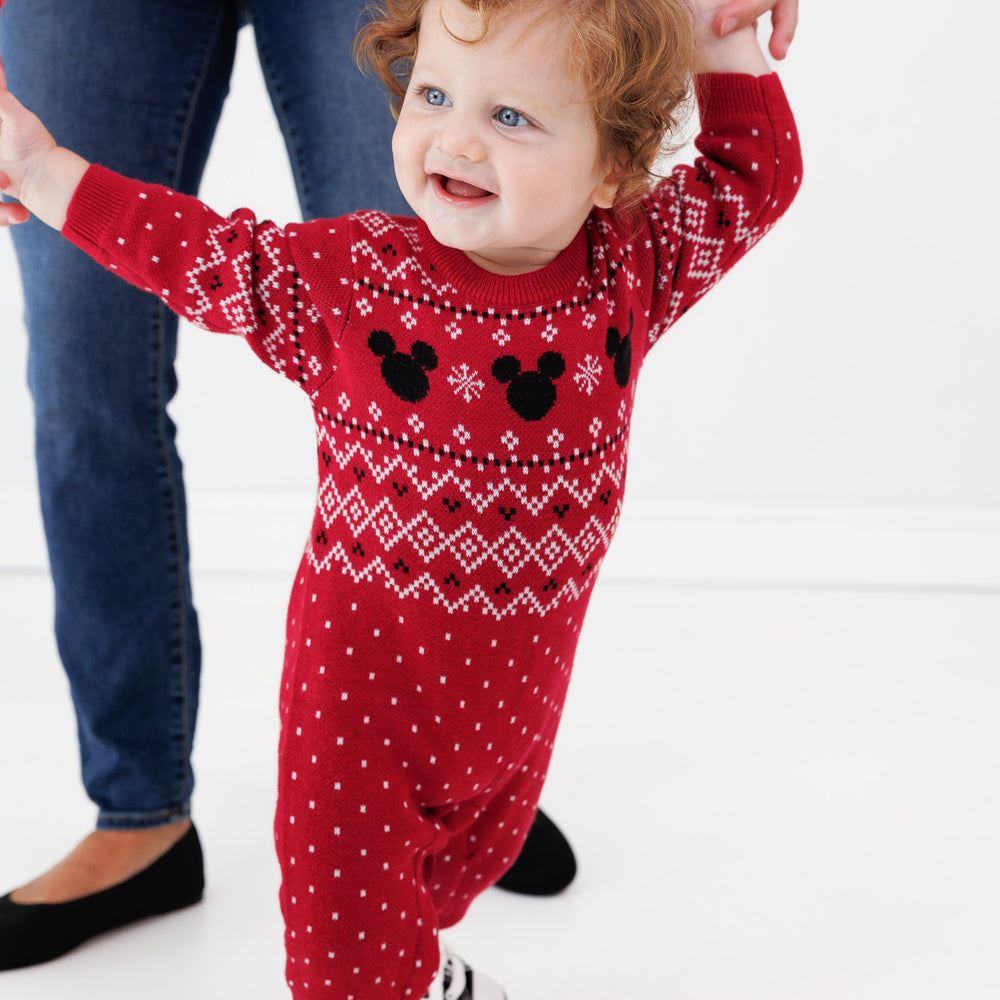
(635, 59)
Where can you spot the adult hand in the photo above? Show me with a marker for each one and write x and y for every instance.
(742, 13)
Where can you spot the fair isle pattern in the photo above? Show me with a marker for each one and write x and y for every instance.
(392, 276)
(411, 283)
(269, 296)
(472, 442)
(243, 283)
(429, 551)
(491, 600)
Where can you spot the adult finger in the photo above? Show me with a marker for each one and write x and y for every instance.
(784, 20)
(739, 14)
(13, 214)
(743, 13)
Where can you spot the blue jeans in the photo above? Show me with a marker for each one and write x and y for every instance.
(138, 85)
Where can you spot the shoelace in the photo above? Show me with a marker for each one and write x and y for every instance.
(451, 980)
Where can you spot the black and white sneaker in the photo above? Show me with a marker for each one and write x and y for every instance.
(457, 981)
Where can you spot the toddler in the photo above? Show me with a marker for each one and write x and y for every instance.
(472, 373)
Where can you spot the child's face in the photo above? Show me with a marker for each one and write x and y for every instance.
(496, 147)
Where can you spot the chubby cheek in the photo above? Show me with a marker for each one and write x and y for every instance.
(407, 165)
(396, 143)
(399, 148)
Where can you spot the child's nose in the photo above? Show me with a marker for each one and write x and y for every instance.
(459, 139)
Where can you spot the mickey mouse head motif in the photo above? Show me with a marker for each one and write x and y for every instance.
(530, 394)
(619, 349)
(404, 373)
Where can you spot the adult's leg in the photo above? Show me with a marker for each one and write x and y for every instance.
(136, 85)
(336, 121)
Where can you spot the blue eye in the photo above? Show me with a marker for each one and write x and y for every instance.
(511, 118)
(434, 96)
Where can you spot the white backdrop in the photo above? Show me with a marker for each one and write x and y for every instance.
(829, 414)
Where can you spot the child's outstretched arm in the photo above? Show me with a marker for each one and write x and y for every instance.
(33, 168)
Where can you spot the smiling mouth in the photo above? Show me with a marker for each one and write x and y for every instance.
(458, 190)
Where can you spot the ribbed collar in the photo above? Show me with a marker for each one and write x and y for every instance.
(556, 280)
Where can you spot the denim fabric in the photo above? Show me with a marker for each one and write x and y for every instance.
(138, 85)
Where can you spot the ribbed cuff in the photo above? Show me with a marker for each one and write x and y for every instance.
(722, 95)
(98, 199)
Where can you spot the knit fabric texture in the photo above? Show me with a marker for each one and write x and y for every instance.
(472, 438)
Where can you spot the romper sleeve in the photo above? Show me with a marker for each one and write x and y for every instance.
(702, 219)
(286, 291)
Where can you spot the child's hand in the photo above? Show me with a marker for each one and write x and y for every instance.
(22, 142)
(33, 169)
(741, 13)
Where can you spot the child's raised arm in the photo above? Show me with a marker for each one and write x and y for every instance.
(33, 169)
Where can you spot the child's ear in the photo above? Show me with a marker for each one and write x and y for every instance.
(603, 196)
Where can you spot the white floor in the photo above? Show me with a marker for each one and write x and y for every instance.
(780, 794)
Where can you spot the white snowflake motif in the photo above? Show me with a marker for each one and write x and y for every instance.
(461, 434)
(408, 320)
(509, 440)
(466, 383)
(556, 438)
(589, 320)
(549, 333)
(416, 423)
(375, 411)
(345, 403)
(454, 329)
(621, 410)
(595, 426)
(364, 307)
(501, 337)
(588, 375)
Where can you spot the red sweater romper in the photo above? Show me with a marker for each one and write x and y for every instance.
(472, 436)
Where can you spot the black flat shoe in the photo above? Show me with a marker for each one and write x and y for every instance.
(546, 864)
(31, 933)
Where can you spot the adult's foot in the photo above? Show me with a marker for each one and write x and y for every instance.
(546, 864)
(42, 927)
(102, 859)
